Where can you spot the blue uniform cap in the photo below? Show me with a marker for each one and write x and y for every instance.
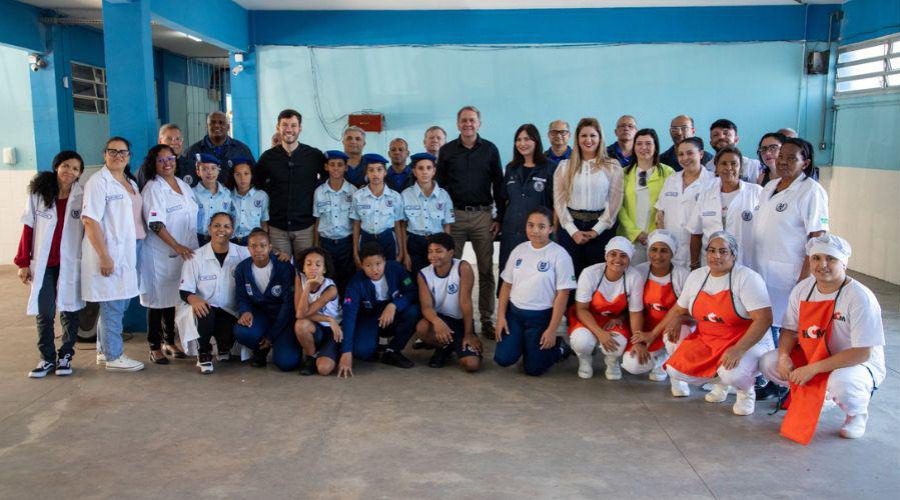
(334, 154)
(208, 158)
(240, 161)
(422, 156)
(374, 158)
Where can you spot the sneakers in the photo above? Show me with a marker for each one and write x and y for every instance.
(224, 356)
(680, 388)
(394, 358)
(658, 374)
(745, 403)
(101, 358)
(175, 352)
(64, 365)
(124, 364)
(854, 426)
(585, 366)
(487, 331)
(613, 370)
(42, 369)
(259, 358)
(439, 358)
(205, 364)
(308, 366)
(717, 393)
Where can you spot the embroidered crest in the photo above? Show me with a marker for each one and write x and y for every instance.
(257, 203)
(188, 179)
(543, 266)
(76, 213)
(747, 215)
(518, 263)
(781, 207)
(453, 288)
(539, 185)
(276, 290)
(249, 288)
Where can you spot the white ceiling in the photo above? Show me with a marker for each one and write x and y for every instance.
(497, 4)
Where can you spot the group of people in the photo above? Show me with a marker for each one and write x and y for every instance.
(687, 265)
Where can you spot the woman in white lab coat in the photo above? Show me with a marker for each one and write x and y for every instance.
(207, 286)
(171, 216)
(679, 195)
(727, 204)
(792, 209)
(49, 258)
(112, 205)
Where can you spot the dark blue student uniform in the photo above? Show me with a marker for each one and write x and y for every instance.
(357, 175)
(273, 311)
(524, 189)
(361, 311)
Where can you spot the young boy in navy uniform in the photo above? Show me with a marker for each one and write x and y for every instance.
(380, 301)
(376, 212)
(211, 196)
(264, 287)
(331, 207)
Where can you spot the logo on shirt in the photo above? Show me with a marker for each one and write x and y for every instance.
(276, 290)
(813, 332)
(389, 203)
(76, 213)
(658, 307)
(440, 206)
(249, 289)
(257, 203)
(349, 198)
(452, 288)
(713, 318)
(747, 215)
(189, 179)
(839, 316)
(539, 185)
(781, 207)
(543, 266)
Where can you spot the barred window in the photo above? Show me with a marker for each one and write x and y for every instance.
(870, 66)
(89, 89)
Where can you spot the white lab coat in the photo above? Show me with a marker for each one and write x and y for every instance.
(109, 204)
(677, 205)
(214, 283)
(43, 220)
(780, 232)
(160, 265)
(739, 219)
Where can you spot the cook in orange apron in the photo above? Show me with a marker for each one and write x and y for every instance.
(658, 299)
(813, 334)
(604, 311)
(718, 328)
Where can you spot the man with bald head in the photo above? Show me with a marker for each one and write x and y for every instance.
(219, 144)
(626, 129)
(559, 134)
(681, 128)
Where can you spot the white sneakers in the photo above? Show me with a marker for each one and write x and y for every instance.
(124, 364)
(101, 358)
(613, 370)
(585, 366)
(717, 394)
(854, 426)
(745, 403)
(658, 374)
(680, 388)
(205, 364)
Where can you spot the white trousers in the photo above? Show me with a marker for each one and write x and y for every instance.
(850, 387)
(583, 342)
(741, 377)
(631, 364)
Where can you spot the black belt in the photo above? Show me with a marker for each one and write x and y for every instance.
(474, 208)
(585, 215)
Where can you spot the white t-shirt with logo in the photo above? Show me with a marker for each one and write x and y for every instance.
(590, 282)
(537, 274)
(747, 288)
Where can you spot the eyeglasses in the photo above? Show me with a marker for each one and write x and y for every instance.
(165, 159)
(771, 148)
(559, 132)
(118, 153)
(683, 128)
(642, 179)
(722, 252)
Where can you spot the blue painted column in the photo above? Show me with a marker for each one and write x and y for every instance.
(245, 104)
(128, 47)
(51, 102)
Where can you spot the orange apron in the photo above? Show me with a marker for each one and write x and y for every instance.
(658, 299)
(806, 400)
(604, 311)
(718, 328)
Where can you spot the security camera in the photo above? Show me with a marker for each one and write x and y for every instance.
(36, 62)
(237, 69)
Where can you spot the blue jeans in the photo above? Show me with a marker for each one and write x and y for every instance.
(101, 344)
(110, 329)
(46, 317)
(524, 340)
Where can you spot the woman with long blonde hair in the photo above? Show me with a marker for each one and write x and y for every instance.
(587, 194)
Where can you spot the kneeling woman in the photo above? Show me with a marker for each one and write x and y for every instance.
(733, 314)
(663, 284)
(207, 285)
(607, 305)
(380, 302)
(831, 344)
(536, 283)
(265, 298)
(316, 301)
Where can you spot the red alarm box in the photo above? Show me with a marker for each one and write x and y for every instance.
(367, 122)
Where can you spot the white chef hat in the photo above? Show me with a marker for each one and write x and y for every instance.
(663, 236)
(829, 244)
(622, 244)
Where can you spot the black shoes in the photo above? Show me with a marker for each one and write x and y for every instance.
(439, 358)
(394, 358)
(419, 344)
(308, 366)
(769, 391)
(258, 360)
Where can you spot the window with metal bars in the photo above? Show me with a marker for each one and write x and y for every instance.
(89, 89)
(871, 67)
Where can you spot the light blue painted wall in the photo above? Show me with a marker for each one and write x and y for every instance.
(17, 125)
(416, 87)
(866, 131)
(91, 133)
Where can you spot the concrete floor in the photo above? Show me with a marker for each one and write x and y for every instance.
(168, 432)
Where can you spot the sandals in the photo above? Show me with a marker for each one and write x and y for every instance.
(159, 359)
(171, 350)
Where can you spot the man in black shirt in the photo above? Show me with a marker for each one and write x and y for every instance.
(681, 128)
(469, 169)
(216, 143)
(290, 174)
